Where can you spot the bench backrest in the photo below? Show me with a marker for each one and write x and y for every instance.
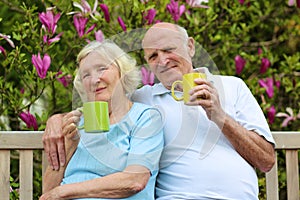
(290, 142)
(27, 141)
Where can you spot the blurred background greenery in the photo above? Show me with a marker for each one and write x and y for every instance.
(258, 41)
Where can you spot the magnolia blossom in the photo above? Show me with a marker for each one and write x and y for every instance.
(150, 15)
(242, 1)
(51, 40)
(105, 10)
(268, 85)
(197, 3)
(147, 76)
(80, 25)
(85, 8)
(175, 10)
(271, 114)
(122, 24)
(65, 80)
(49, 20)
(259, 51)
(294, 2)
(265, 64)
(41, 65)
(239, 64)
(7, 38)
(289, 116)
(29, 120)
(99, 36)
(2, 50)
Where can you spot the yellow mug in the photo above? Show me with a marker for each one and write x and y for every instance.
(187, 84)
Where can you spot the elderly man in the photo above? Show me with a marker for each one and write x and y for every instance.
(214, 143)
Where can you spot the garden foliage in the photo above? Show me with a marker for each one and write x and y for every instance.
(258, 41)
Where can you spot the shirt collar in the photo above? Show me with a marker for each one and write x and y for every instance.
(159, 89)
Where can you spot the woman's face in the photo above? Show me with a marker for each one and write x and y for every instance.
(99, 77)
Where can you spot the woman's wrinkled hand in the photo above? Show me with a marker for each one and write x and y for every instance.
(70, 130)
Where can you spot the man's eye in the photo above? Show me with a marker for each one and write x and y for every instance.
(169, 49)
(152, 57)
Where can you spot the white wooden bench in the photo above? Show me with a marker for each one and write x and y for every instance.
(28, 141)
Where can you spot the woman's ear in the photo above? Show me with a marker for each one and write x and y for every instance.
(191, 46)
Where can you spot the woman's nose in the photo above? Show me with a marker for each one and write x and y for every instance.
(96, 77)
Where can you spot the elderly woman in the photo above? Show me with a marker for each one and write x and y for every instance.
(120, 163)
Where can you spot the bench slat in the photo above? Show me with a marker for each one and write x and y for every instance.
(26, 174)
(4, 173)
(21, 140)
(287, 140)
(292, 172)
(272, 182)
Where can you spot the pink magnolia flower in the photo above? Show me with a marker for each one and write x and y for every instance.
(80, 25)
(265, 64)
(239, 64)
(147, 76)
(122, 24)
(86, 10)
(175, 10)
(65, 80)
(289, 116)
(259, 51)
(49, 20)
(150, 15)
(51, 40)
(292, 2)
(7, 38)
(277, 84)
(105, 10)
(29, 120)
(99, 36)
(197, 3)
(271, 114)
(2, 50)
(241, 2)
(268, 85)
(41, 65)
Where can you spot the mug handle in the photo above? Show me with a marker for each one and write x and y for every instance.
(173, 92)
(80, 109)
(80, 127)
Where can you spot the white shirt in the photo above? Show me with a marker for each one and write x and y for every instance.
(198, 162)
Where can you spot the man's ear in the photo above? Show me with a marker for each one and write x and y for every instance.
(191, 46)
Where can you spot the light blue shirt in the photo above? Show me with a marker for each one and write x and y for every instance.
(198, 162)
(136, 140)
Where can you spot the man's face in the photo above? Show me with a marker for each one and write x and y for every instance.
(168, 54)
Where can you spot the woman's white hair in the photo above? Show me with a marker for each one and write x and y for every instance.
(109, 51)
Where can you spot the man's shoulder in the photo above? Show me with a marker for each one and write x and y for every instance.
(229, 81)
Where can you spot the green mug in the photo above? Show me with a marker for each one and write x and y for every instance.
(187, 84)
(96, 117)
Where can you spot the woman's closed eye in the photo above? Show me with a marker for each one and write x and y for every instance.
(101, 69)
(85, 75)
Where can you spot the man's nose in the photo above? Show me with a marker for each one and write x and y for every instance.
(163, 59)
